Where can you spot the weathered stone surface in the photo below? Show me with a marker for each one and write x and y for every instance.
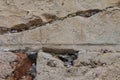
(6, 68)
(27, 37)
(89, 25)
(46, 72)
(9, 38)
(15, 12)
(88, 66)
(102, 28)
(31, 37)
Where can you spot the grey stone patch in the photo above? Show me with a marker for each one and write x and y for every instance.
(6, 59)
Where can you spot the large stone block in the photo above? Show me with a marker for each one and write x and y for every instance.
(64, 32)
(45, 72)
(88, 66)
(102, 28)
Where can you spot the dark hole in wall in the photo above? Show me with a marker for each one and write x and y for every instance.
(66, 55)
(19, 28)
(106, 51)
(88, 13)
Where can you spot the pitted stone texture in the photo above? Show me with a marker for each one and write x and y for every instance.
(5, 67)
(46, 72)
(88, 66)
(101, 59)
(101, 66)
(14, 12)
(102, 28)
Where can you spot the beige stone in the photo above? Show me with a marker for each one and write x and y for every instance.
(90, 34)
(9, 39)
(88, 66)
(64, 32)
(31, 37)
(20, 38)
(45, 72)
(102, 28)
(21, 11)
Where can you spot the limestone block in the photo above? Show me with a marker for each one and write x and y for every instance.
(101, 28)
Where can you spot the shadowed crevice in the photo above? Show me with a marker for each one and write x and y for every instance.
(50, 18)
(38, 22)
(67, 56)
(25, 64)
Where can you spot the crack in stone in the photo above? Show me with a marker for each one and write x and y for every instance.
(56, 51)
(38, 22)
(57, 45)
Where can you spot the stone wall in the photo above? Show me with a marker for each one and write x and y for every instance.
(77, 24)
(59, 22)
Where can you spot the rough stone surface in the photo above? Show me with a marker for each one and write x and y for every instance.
(100, 28)
(16, 12)
(47, 72)
(6, 58)
(27, 37)
(88, 66)
(90, 26)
